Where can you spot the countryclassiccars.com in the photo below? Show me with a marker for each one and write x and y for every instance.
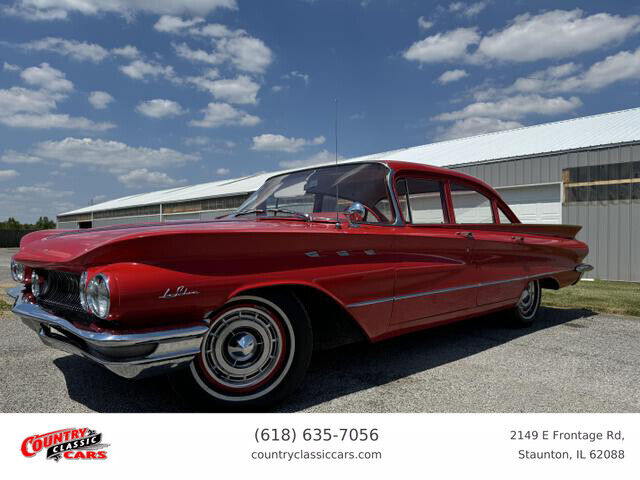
(314, 258)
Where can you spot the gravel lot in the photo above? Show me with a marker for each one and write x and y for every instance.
(569, 361)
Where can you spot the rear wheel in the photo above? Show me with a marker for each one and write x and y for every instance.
(525, 311)
(255, 353)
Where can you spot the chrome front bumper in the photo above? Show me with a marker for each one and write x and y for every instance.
(129, 355)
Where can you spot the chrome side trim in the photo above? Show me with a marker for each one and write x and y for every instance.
(447, 290)
(129, 355)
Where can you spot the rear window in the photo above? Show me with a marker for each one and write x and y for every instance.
(469, 205)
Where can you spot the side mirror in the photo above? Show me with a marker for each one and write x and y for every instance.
(355, 213)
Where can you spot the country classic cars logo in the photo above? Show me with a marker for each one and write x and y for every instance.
(70, 443)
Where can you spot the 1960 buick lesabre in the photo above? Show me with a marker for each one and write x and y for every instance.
(316, 257)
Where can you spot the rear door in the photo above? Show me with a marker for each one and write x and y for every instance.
(433, 259)
(500, 258)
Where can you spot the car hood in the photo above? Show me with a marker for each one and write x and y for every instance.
(78, 247)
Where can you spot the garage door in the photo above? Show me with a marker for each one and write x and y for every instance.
(535, 203)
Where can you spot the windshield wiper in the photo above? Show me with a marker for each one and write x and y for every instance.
(304, 216)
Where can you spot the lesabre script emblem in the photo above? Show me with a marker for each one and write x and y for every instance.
(181, 291)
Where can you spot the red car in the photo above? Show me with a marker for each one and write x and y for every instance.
(314, 258)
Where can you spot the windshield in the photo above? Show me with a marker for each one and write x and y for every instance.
(313, 192)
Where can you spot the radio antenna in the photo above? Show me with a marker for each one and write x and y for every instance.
(336, 137)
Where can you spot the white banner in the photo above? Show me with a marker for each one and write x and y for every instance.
(316, 445)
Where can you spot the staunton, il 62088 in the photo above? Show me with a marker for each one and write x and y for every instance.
(235, 307)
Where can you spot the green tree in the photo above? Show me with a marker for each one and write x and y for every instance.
(11, 224)
(44, 223)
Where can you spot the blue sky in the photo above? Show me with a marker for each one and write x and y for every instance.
(105, 98)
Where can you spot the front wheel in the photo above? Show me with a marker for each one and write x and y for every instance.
(255, 353)
(525, 311)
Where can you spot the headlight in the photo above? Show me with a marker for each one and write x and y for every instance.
(83, 291)
(17, 271)
(98, 295)
(39, 284)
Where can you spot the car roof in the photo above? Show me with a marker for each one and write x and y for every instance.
(405, 167)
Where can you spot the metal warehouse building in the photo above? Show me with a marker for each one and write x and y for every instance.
(584, 171)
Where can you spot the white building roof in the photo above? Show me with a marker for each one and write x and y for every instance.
(577, 133)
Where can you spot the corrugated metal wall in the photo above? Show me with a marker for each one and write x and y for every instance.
(610, 228)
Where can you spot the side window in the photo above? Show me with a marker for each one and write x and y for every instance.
(422, 201)
(469, 205)
(503, 218)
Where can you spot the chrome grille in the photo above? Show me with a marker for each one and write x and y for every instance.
(63, 291)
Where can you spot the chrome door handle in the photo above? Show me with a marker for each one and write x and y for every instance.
(518, 239)
(468, 235)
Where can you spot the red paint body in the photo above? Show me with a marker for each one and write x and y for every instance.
(222, 258)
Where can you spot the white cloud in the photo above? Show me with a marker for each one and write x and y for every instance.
(241, 90)
(128, 51)
(246, 53)
(99, 99)
(242, 51)
(514, 107)
(223, 114)
(571, 77)
(11, 156)
(548, 35)
(54, 120)
(6, 174)
(223, 171)
(217, 145)
(143, 178)
(452, 76)
(452, 45)
(47, 78)
(33, 14)
(468, 9)
(8, 67)
(22, 100)
(198, 55)
(198, 141)
(109, 155)
(475, 126)
(424, 24)
(319, 158)
(59, 9)
(280, 143)
(173, 24)
(81, 51)
(556, 34)
(140, 70)
(301, 76)
(621, 66)
(28, 202)
(160, 108)
(214, 30)
(42, 190)
(21, 107)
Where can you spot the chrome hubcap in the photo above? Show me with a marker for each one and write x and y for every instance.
(527, 303)
(242, 348)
